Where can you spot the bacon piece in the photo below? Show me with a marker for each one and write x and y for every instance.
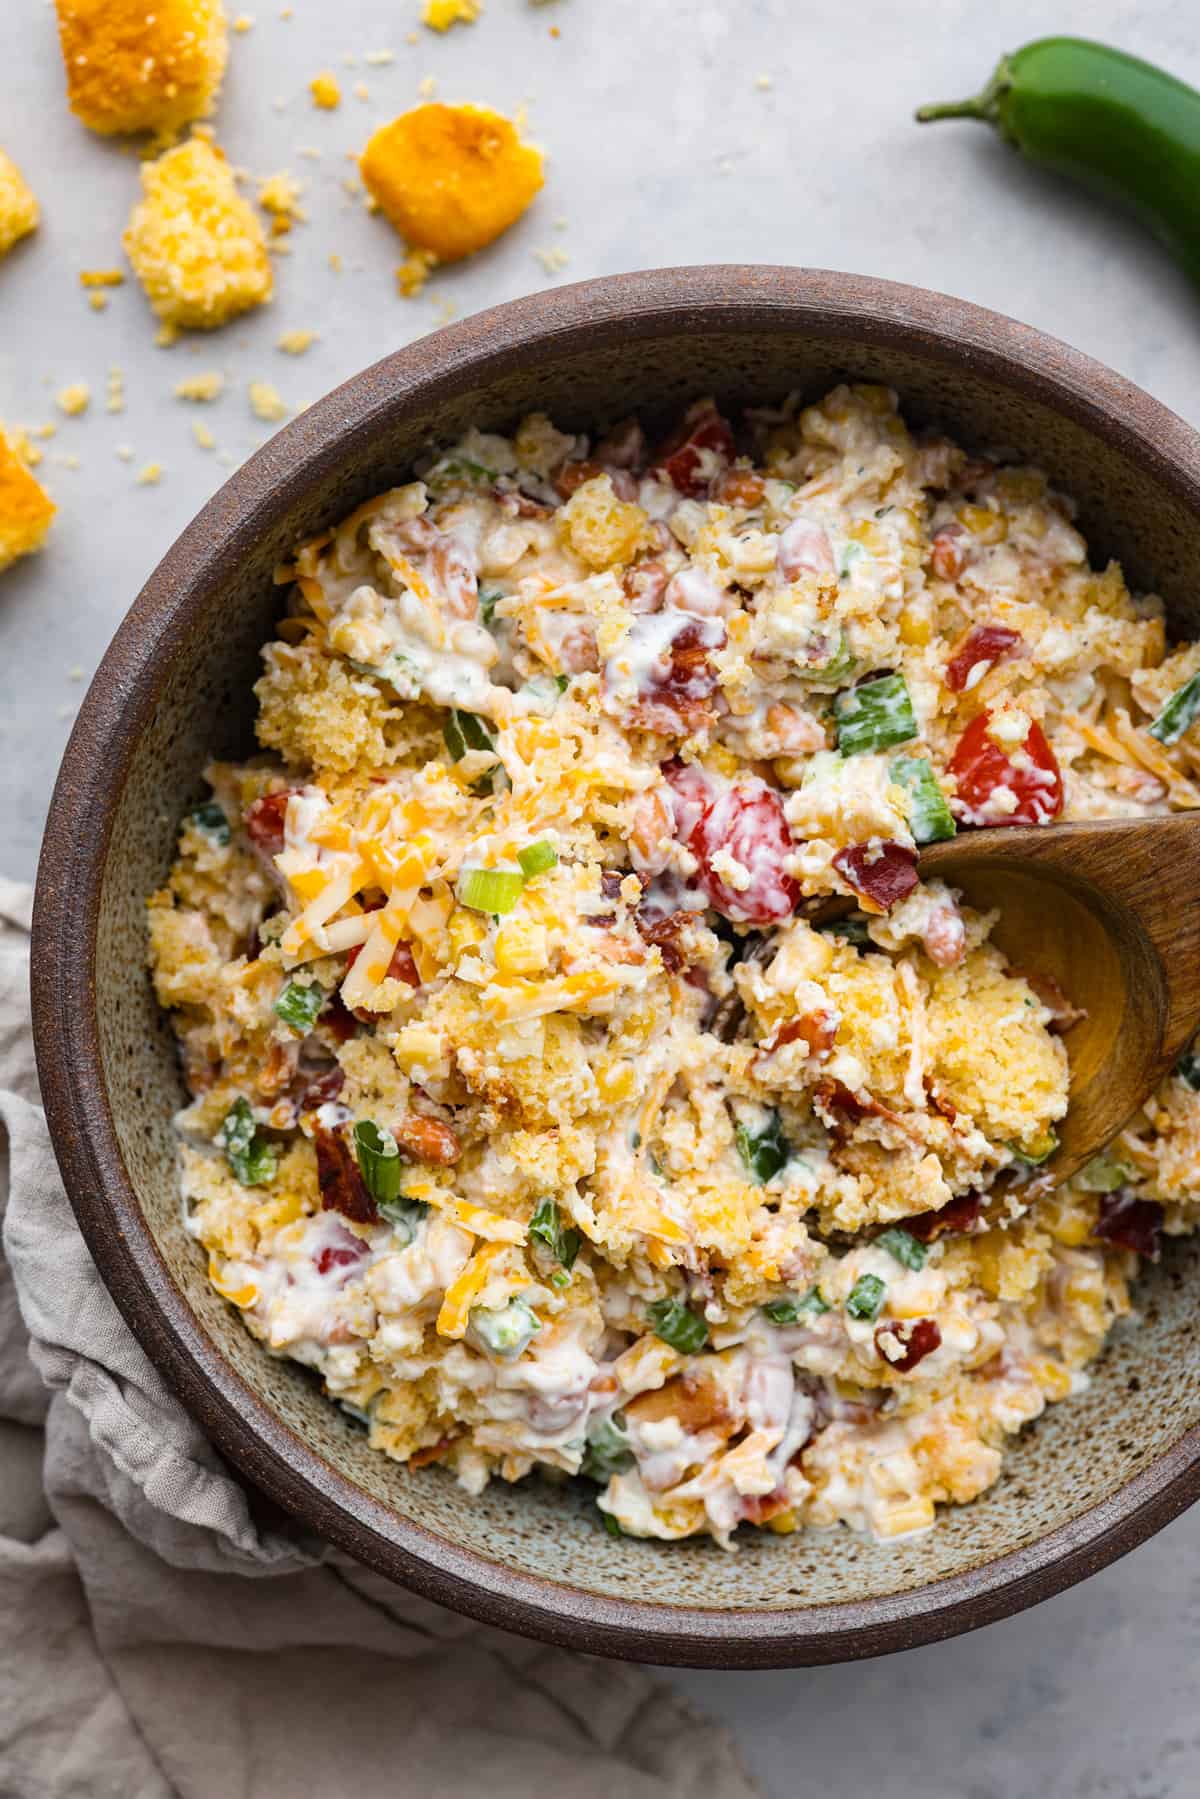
(958, 1217)
(340, 1179)
(817, 1030)
(428, 1140)
(948, 553)
(265, 818)
(739, 487)
(917, 1338)
(676, 696)
(832, 1096)
(338, 1020)
(402, 966)
(665, 933)
(433, 1452)
(696, 452)
(980, 650)
(323, 1088)
(342, 1251)
(879, 877)
(1131, 1223)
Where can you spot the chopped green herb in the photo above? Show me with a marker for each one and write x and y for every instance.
(506, 1330)
(494, 890)
(763, 1152)
(904, 1247)
(611, 1525)
(466, 731)
(560, 1278)
(456, 471)
(1180, 711)
(536, 858)
(299, 1004)
(210, 818)
(607, 1451)
(866, 1297)
(252, 1159)
(814, 1301)
(1103, 1174)
(782, 1311)
(1187, 1069)
(672, 1321)
(379, 1160)
(547, 1227)
(562, 682)
(929, 817)
(874, 715)
(849, 555)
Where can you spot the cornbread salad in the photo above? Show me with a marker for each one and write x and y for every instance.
(584, 1078)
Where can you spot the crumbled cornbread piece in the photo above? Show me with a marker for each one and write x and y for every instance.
(115, 398)
(279, 195)
(325, 90)
(440, 15)
(25, 507)
(203, 435)
(414, 272)
(553, 261)
(361, 91)
(97, 301)
(379, 59)
(427, 87)
(206, 386)
(101, 277)
(74, 398)
(133, 66)
(149, 475)
(18, 208)
(195, 244)
(451, 178)
(295, 343)
(244, 22)
(266, 402)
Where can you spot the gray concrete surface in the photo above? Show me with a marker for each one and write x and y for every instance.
(761, 130)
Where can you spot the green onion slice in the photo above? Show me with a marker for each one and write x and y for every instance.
(378, 1160)
(494, 890)
(506, 1330)
(874, 715)
(866, 1297)
(929, 816)
(1180, 711)
(1103, 1174)
(1187, 1068)
(537, 857)
(672, 1321)
(299, 1004)
(904, 1247)
(607, 1451)
(210, 818)
(252, 1159)
(763, 1152)
(547, 1227)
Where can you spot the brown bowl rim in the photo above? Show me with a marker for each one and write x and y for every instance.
(749, 298)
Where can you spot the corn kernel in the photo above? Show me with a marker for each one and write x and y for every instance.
(916, 627)
(467, 931)
(983, 523)
(417, 1045)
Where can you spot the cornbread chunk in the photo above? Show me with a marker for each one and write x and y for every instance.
(196, 246)
(18, 207)
(142, 65)
(451, 178)
(26, 509)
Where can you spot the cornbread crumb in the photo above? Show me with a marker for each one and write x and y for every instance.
(137, 67)
(149, 475)
(325, 90)
(266, 402)
(763, 82)
(451, 178)
(361, 91)
(70, 460)
(379, 59)
(427, 87)
(440, 15)
(74, 398)
(98, 301)
(195, 244)
(26, 509)
(279, 195)
(115, 396)
(203, 435)
(553, 261)
(18, 207)
(125, 452)
(414, 272)
(204, 387)
(295, 343)
(244, 22)
(101, 277)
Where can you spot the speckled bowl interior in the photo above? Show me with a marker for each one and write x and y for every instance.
(1093, 1477)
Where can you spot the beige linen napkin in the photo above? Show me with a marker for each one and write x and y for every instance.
(160, 1640)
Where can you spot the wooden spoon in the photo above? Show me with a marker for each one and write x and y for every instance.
(1110, 911)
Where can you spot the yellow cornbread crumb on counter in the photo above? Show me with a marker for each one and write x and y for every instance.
(243, 23)
(440, 15)
(266, 402)
(295, 343)
(204, 387)
(427, 87)
(279, 195)
(451, 178)
(203, 435)
(553, 260)
(74, 398)
(98, 301)
(361, 91)
(101, 277)
(196, 245)
(326, 94)
(18, 207)
(114, 398)
(379, 59)
(142, 65)
(414, 272)
(26, 509)
(149, 475)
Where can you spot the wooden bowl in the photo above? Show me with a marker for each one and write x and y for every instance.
(1096, 1476)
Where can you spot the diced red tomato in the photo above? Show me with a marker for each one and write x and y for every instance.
(948, 552)
(1131, 1223)
(958, 1217)
(881, 876)
(343, 1250)
(265, 819)
(746, 821)
(696, 452)
(983, 770)
(980, 650)
(917, 1338)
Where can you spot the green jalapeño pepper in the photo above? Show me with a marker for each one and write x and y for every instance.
(1115, 124)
